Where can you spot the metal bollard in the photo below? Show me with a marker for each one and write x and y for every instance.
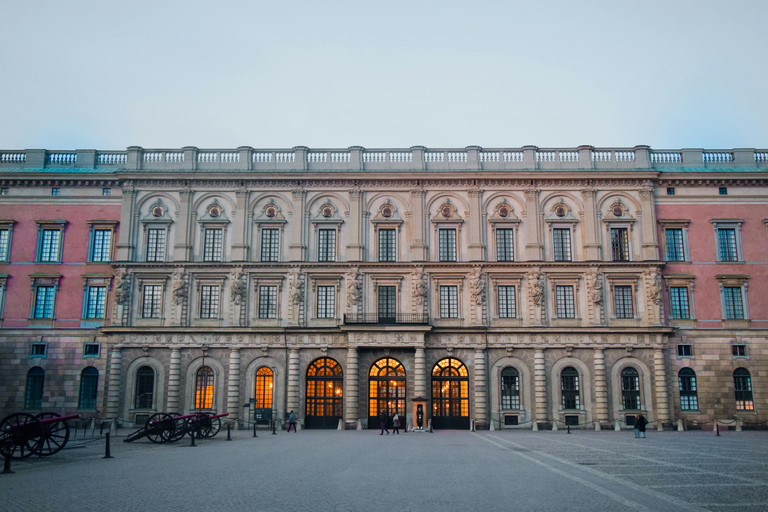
(254, 429)
(717, 429)
(192, 436)
(229, 432)
(107, 455)
(7, 461)
(273, 428)
(569, 428)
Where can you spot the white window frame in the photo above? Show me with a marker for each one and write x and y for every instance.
(682, 225)
(448, 279)
(615, 280)
(739, 281)
(217, 253)
(101, 226)
(49, 281)
(728, 224)
(6, 226)
(260, 280)
(44, 226)
(92, 282)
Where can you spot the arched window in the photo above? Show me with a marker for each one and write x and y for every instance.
(686, 379)
(89, 388)
(510, 388)
(145, 388)
(386, 390)
(742, 385)
(630, 389)
(450, 394)
(204, 388)
(263, 392)
(569, 388)
(33, 397)
(324, 393)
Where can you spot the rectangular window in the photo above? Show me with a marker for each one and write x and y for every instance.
(449, 302)
(267, 302)
(49, 245)
(38, 349)
(326, 248)
(507, 306)
(44, 300)
(91, 350)
(102, 243)
(270, 245)
(684, 350)
(739, 350)
(5, 244)
(156, 244)
(726, 242)
(670, 191)
(106, 191)
(734, 306)
(723, 191)
(675, 246)
(446, 244)
(387, 304)
(212, 246)
(209, 301)
(619, 244)
(33, 397)
(623, 302)
(678, 297)
(95, 302)
(561, 243)
(152, 301)
(326, 301)
(564, 301)
(689, 400)
(504, 246)
(387, 245)
(55, 191)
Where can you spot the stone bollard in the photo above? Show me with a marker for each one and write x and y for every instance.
(535, 426)
(298, 425)
(660, 426)
(738, 425)
(341, 424)
(359, 425)
(680, 426)
(554, 426)
(617, 426)
(492, 426)
(429, 425)
(597, 426)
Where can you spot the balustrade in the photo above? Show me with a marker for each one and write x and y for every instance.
(666, 157)
(13, 158)
(62, 158)
(717, 157)
(111, 158)
(262, 158)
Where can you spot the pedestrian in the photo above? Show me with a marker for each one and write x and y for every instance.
(383, 419)
(292, 422)
(396, 424)
(640, 423)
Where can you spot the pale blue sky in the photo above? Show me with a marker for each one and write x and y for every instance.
(277, 74)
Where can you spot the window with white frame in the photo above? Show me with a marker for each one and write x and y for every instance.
(213, 244)
(564, 301)
(6, 230)
(630, 389)
(209, 301)
(728, 239)
(446, 244)
(678, 298)
(152, 296)
(510, 389)
(449, 301)
(686, 380)
(45, 301)
(675, 246)
(100, 242)
(733, 303)
(156, 244)
(387, 244)
(96, 300)
(326, 302)
(270, 244)
(507, 301)
(505, 247)
(267, 302)
(622, 301)
(569, 388)
(619, 244)
(326, 245)
(49, 242)
(561, 244)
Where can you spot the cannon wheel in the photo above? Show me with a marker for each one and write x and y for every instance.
(55, 435)
(178, 431)
(210, 426)
(23, 431)
(157, 436)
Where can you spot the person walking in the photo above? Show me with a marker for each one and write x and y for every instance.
(292, 422)
(640, 423)
(395, 424)
(383, 419)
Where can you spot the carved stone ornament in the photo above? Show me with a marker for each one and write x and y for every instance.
(596, 287)
(654, 285)
(536, 288)
(122, 287)
(296, 288)
(419, 287)
(354, 288)
(179, 286)
(237, 286)
(477, 286)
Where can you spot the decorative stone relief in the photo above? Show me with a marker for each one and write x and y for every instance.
(122, 287)
(179, 286)
(419, 281)
(296, 288)
(477, 287)
(237, 287)
(354, 288)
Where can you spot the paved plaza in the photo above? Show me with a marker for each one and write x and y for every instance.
(363, 471)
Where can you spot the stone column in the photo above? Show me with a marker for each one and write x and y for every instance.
(174, 381)
(418, 245)
(128, 225)
(540, 385)
(532, 230)
(601, 387)
(475, 225)
(481, 388)
(294, 381)
(240, 229)
(233, 386)
(660, 383)
(420, 374)
(353, 391)
(114, 383)
(183, 243)
(296, 225)
(355, 247)
(591, 227)
(648, 224)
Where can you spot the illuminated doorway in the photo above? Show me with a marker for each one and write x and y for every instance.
(450, 395)
(324, 394)
(386, 391)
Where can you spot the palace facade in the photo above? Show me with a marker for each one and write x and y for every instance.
(512, 288)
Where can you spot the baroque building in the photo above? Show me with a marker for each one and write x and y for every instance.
(512, 288)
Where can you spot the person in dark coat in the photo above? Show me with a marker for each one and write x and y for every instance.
(395, 424)
(292, 422)
(640, 423)
(383, 419)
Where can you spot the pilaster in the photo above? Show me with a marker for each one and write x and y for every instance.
(660, 386)
(233, 386)
(355, 247)
(418, 246)
(239, 242)
(181, 249)
(533, 245)
(481, 388)
(294, 380)
(129, 219)
(114, 383)
(601, 387)
(174, 376)
(352, 391)
(420, 373)
(540, 385)
(297, 225)
(591, 238)
(648, 223)
(475, 218)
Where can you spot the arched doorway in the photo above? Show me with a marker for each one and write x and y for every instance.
(386, 391)
(324, 394)
(450, 394)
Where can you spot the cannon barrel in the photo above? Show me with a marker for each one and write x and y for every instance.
(58, 418)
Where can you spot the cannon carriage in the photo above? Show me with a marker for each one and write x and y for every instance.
(164, 428)
(23, 435)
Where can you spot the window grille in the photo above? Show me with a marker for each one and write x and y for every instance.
(742, 384)
(726, 241)
(152, 301)
(510, 389)
(270, 245)
(561, 242)
(569, 387)
(623, 302)
(326, 249)
(49, 245)
(97, 297)
(675, 246)
(89, 388)
(619, 244)
(44, 301)
(447, 244)
(564, 301)
(734, 305)
(387, 245)
(156, 244)
(630, 389)
(209, 301)
(145, 388)
(507, 306)
(33, 396)
(678, 297)
(686, 379)
(326, 302)
(449, 302)
(212, 247)
(102, 243)
(267, 302)
(504, 245)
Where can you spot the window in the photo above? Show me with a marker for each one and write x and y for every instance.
(89, 388)
(619, 244)
(38, 349)
(675, 245)
(446, 244)
(106, 191)
(569, 388)
(50, 241)
(156, 244)
(449, 302)
(684, 350)
(564, 301)
(33, 395)
(55, 191)
(152, 301)
(733, 302)
(5, 244)
(504, 245)
(270, 244)
(145, 388)
(91, 350)
(670, 191)
(212, 244)
(630, 389)
(326, 302)
(101, 245)
(263, 394)
(507, 306)
(686, 379)
(561, 243)
(510, 388)
(204, 388)
(727, 244)
(209, 301)
(739, 350)
(622, 297)
(4, 191)
(96, 298)
(742, 385)
(387, 247)
(678, 297)
(723, 191)
(326, 247)
(267, 302)
(387, 304)
(44, 302)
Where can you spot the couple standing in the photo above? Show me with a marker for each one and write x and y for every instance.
(395, 423)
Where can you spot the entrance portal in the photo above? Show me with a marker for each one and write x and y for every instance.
(324, 394)
(386, 391)
(450, 395)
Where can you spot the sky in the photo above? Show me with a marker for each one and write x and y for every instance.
(390, 74)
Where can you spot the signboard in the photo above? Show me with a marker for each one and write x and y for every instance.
(262, 415)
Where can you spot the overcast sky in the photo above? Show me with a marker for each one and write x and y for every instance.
(333, 74)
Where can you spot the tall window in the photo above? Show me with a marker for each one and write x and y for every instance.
(326, 248)
(742, 385)
(209, 301)
(686, 380)
(326, 302)
(446, 244)
(678, 297)
(619, 244)
(152, 301)
(504, 246)
(96, 301)
(325, 393)
(145, 388)
(622, 297)
(33, 396)
(102, 243)
(387, 249)
(50, 240)
(450, 393)
(267, 302)
(569, 388)
(45, 297)
(270, 245)
(386, 385)
(5, 244)
(89, 388)
(204, 388)
(727, 248)
(630, 389)
(449, 302)
(387, 303)
(212, 244)
(564, 302)
(263, 394)
(561, 244)
(733, 302)
(675, 246)
(507, 306)
(156, 244)
(510, 388)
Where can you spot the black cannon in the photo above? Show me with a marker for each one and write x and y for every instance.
(164, 428)
(23, 435)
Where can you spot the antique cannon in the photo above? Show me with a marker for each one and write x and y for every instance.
(23, 435)
(164, 428)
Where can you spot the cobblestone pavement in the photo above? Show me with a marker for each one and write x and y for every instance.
(444, 471)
